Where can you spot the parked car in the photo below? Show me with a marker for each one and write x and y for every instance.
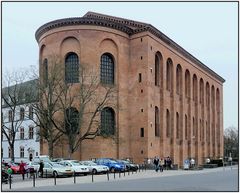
(54, 169)
(112, 164)
(76, 166)
(95, 168)
(129, 165)
(14, 167)
(34, 165)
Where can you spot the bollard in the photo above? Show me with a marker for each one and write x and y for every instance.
(54, 179)
(132, 171)
(74, 177)
(36, 174)
(114, 174)
(145, 167)
(46, 173)
(119, 174)
(10, 181)
(92, 176)
(124, 172)
(33, 180)
(128, 172)
(142, 167)
(27, 174)
(139, 168)
(107, 175)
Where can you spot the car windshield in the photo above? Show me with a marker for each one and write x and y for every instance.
(57, 165)
(113, 161)
(91, 163)
(75, 163)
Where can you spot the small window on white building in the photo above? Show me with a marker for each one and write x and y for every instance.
(30, 132)
(21, 152)
(21, 133)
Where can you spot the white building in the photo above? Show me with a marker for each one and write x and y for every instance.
(27, 143)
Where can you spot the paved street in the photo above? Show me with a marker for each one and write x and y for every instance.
(204, 180)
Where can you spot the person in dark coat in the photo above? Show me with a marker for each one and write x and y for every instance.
(41, 168)
(22, 169)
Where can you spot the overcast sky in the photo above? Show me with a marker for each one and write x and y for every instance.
(208, 30)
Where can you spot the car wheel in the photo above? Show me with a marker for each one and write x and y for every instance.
(55, 174)
(112, 170)
(94, 171)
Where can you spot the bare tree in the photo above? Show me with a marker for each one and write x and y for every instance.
(47, 108)
(81, 107)
(231, 142)
(16, 94)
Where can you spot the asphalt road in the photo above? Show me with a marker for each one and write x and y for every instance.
(214, 181)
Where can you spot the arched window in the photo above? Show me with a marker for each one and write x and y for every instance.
(208, 95)
(107, 69)
(177, 125)
(30, 132)
(157, 122)
(187, 83)
(193, 123)
(71, 120)
(179, 79)
(107, 122)
(158, 57)
(21, 133)
(169, 74)
(201, 91)
(22, 112)
(186, 128)
(168, 132)
(218, 115)
(45, 72)
(195, 93)
(71, 68)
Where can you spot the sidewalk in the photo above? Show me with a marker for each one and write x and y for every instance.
(16, 186)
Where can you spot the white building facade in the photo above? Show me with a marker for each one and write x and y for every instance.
(27, 141)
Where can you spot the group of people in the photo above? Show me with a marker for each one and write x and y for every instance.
(162, 163)
(22, 169)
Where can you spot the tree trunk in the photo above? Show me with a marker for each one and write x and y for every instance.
(50, 149)
(12, 152)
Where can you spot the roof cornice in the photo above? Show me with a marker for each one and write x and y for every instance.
(129, 27)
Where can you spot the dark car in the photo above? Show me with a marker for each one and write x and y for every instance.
(129, 165)
(112, 164)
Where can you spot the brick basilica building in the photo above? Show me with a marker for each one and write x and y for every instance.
(171, 103)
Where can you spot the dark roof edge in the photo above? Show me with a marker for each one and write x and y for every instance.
(85, 20)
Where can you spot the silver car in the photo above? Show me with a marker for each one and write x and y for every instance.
(94, 168)
(76, 166)
(54, 169)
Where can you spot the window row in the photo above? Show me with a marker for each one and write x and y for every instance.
(22, 114)
(72, 69)
(107, 117)
(22, 133)
(179, 130)
(179, 79)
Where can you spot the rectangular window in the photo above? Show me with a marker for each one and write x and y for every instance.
(21, 152)
(30, 133)
(139, 77)
(142, 132)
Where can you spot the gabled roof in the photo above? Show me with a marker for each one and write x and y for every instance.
(127, 26)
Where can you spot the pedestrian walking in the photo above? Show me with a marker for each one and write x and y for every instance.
(22, 169)
(161, 164)
(41, 168)
(156, 163)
